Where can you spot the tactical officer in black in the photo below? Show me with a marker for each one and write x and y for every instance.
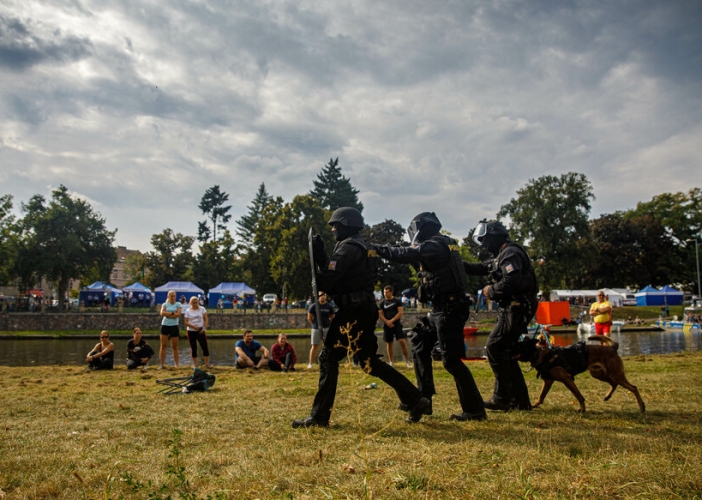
(514, 288)
(349, 276)
(443, 283)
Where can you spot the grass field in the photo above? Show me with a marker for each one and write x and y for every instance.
(70, 433)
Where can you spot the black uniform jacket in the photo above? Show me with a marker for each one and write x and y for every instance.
(512, 273)
(339, 274)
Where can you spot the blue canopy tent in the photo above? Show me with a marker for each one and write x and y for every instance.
(181, 288)
(228, 291)
(138, 295)
(672, 297)
(650, 296)
(94, 295)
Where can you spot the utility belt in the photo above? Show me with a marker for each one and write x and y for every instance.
(448, 300)
(354, 299)
(520, 302)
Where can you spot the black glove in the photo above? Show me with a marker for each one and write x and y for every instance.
(382, 251)
(318, 252)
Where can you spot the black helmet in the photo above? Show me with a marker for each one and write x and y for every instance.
(348, 220)
(490, 235)
(423, 227)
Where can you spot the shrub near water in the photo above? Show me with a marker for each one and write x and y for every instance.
(70, 433)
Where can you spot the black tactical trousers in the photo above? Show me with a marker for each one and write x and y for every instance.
(355, 327)
(510, 387)
(448, 323)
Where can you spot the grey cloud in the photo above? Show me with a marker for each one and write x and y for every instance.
(20, 48)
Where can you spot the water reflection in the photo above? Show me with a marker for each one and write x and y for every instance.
(28, 352)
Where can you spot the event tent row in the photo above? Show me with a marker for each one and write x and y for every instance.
(96, 292)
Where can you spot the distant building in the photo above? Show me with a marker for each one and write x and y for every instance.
(120, 276)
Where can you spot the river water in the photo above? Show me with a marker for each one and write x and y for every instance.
(32, 352)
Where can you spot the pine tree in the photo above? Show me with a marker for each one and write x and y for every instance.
(248, 223)
(332, 190)
(212, 205)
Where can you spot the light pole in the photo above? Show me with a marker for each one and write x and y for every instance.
(697, 258)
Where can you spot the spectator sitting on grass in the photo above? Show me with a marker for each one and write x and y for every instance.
(246, 350)
(138, 351)
(102, 357)
(283, 355)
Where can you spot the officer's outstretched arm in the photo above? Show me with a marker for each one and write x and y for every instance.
(476, 268)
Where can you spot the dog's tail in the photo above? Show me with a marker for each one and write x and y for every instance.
(603, 339)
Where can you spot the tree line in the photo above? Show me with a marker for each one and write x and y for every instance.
(64, 238)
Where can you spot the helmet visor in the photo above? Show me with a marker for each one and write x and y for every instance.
(412, 231)
(480, 232)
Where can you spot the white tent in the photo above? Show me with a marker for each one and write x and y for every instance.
(615, 298)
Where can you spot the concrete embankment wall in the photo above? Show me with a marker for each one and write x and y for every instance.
(17, 322)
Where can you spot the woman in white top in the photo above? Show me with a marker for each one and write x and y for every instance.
(196, 324)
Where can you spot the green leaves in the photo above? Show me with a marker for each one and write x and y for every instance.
(212, 205)
(332, 190)
(62, 240)
(550, 216)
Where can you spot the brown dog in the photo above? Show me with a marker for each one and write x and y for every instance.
(563, 363)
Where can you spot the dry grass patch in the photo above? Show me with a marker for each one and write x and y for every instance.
(69, 433)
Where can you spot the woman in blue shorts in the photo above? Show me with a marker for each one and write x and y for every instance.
(170, 311)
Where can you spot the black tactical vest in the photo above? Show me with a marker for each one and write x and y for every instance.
(528, 287)
(363, 276)
(449, 279)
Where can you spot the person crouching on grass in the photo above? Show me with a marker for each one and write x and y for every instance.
(102, 357)
(196, 323)
(283, 354)
(138, 351)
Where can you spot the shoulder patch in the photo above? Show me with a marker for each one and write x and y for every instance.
(332, 265)
(509, 268)
(453, 248)
(372, 253)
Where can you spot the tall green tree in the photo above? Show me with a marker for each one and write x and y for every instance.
(550, 216)
(8, 242)
(218, 261)
(332, 190)
(257, 260)
(213, 206)
(681, 216)
(285, 232)
(247, 224)
(390, 232)
(65, 239)
(171, 258)
(630, 251)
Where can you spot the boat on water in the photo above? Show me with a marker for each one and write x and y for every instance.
(586, 328)
(679, 325)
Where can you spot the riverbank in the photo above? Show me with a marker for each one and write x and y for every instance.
(69, 433)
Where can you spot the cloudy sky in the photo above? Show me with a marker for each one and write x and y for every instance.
(449, 106)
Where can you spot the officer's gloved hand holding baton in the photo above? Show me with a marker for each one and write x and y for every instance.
(320, 256)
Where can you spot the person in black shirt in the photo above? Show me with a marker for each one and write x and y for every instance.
(390, 311)
(349, 276)
(442, 281)
(102, 356)
(138, 351)
(514, 287)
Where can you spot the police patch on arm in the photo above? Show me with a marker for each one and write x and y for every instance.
(332, 265)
